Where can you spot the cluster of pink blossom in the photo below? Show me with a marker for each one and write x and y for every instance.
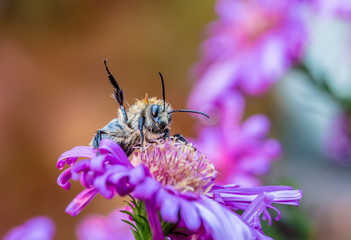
(250, 47)
(338, 8)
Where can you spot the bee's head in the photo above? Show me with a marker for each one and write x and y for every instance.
(159, 111)
(160, 115)
(157, 115)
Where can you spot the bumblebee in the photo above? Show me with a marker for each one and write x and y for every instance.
(148, 119)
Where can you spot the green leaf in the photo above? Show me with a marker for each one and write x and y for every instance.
(131, 224)
(127, 212)
(139, 224)
(130, 205)
(136, 235)
(133, 199)
(141, 228)
(143, 218)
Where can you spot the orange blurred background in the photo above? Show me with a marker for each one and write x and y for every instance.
(54, 91)
(54, 95)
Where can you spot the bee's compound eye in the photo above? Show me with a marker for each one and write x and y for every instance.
(154, 110)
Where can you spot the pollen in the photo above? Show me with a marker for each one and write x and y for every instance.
(178, 164)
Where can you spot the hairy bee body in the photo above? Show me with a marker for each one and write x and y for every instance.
(146, 120)
(127, 133)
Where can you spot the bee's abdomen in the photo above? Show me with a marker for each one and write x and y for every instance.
(111, 130)
(119, 133)
(128, 142)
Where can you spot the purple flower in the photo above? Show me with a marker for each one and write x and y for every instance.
(250, 47)
(341, 8)
(242, 198)
(176, 181)
(240, 150)
(104, 228)
(37, 228)
(109, 173)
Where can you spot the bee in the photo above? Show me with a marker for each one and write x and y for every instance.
(147, 120)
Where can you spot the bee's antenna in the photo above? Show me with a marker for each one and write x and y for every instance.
(189, 111)
(163, 92)
(118, 93)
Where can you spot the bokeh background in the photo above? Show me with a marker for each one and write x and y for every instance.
(54, 94)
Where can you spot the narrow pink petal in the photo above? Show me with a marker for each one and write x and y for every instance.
(110, 146)
(154, 221)
(79, 167)
(63, 179)
(80, 201)
(169, 206)
(189, 214)
(80, 151)
(257, 206)
(146, 189)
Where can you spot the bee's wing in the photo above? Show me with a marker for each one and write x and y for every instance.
(114, 126)
(112, 130)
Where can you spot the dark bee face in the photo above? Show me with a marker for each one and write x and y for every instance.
(154, 110)
(161, 118)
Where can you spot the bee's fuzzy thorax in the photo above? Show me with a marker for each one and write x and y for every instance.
(142, 108)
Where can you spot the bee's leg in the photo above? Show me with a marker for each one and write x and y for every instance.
(97, 139)
(166, 134)
(140, 127)
(118, 93)
(119, 97)
(179, 137)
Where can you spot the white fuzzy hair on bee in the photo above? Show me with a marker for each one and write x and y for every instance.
(147, 119)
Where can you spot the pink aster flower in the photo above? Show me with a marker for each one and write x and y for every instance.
(340, 8)
(173, 185)
(241, 151)
(36, 228)
(250, 47)
(104, 228)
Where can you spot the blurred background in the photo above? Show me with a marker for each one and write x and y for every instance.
(54, 95)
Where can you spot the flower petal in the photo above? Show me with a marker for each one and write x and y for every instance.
(80, 201)
(169, 206)
(107, 145)
(80, 151)
(189, 214)
(36, 228)
(146, 189)
(63, 179)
